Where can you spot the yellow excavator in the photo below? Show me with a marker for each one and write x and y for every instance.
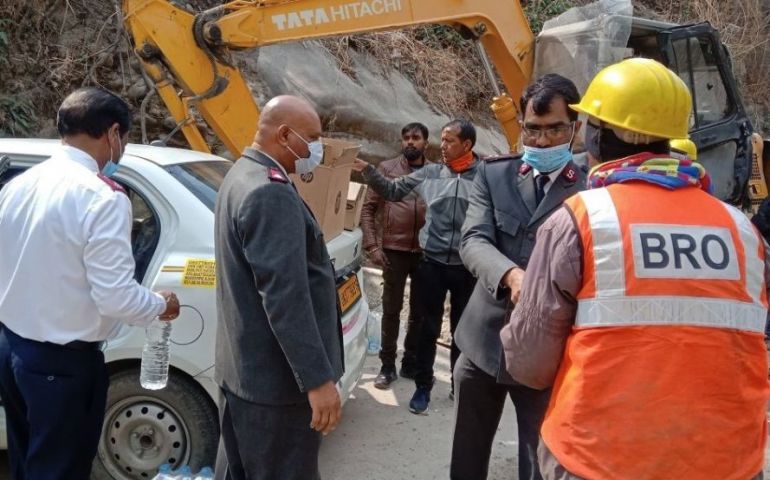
(188, 56)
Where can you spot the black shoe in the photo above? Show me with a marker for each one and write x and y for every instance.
(420, 400)
(408, 371)
(387, 376)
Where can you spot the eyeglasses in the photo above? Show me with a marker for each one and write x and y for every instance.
(551, 133)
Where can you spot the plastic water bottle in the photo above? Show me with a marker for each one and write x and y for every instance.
(374, 333)
(206, 473)
(164, 472)
(183, 473)
(154, 371)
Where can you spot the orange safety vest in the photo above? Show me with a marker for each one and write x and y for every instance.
(664, 375)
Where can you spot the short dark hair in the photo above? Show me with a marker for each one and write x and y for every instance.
(415, 126)
(545, 89)
(92, 110)
(466, 129)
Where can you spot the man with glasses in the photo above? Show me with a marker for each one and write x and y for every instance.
(511, 197)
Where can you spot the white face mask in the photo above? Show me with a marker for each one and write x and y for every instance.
(111, 166)
(306, 165)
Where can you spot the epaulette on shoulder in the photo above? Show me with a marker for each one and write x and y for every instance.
(115, 186)
(498, 158)
(570, 173)
(276, 175)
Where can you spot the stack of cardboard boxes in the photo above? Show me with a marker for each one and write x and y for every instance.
(334, 200)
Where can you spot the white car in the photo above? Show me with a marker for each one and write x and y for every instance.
(172, 194)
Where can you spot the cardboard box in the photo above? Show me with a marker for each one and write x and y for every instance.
(356, 193)
(325, 190)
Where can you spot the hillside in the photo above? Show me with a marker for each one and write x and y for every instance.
(50, 47)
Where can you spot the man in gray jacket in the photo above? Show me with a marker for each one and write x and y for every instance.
(511, 197)
(444, 188)
(279, 338)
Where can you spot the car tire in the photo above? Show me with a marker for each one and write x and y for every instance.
(144, 429)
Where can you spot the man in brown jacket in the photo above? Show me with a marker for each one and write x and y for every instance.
(396, 248)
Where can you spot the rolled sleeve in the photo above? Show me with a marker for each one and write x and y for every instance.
(534, 339)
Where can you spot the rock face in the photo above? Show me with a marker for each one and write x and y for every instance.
(369, 108)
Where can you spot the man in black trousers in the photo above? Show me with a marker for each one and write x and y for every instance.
(279, 347)
(66, 285)
(511, 197)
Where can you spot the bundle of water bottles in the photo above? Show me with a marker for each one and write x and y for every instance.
(373, 333)
(183, 473)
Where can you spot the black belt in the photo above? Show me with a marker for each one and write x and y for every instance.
(83, 345)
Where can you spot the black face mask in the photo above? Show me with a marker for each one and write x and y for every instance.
(604, 145)
(412, 153)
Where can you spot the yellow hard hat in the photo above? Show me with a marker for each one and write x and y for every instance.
(642, 96)
(685, 145)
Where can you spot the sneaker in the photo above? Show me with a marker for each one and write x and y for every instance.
(387, 376)
(408, 371)
(420, 400)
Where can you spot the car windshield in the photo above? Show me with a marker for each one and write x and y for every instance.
(202, 179)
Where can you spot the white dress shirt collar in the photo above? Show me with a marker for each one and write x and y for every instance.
(551, 176)
(79, 156)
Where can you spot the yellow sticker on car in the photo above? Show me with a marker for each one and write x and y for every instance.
(199, 273)
(349, 293)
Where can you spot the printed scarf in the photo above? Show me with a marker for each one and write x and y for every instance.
(653, 168)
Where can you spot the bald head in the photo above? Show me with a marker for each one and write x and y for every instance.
(289, 110)
(286, 124)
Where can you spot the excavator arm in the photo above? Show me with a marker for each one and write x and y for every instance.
(188, 56)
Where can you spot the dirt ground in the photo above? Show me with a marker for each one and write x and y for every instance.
(379, 439)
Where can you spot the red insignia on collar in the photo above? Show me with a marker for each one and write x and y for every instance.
(569, 173)
(115, 186)
(524, 168)
(276, 175)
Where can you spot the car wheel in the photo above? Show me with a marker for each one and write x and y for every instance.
(144, 429)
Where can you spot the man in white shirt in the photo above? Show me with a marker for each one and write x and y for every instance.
(66, 285)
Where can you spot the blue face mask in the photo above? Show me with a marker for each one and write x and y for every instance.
(111, 167)
(547, 160)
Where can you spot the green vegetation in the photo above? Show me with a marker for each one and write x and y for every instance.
(538, 11)
(17, 115)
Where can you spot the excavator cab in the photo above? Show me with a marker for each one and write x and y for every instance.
(720, 127)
